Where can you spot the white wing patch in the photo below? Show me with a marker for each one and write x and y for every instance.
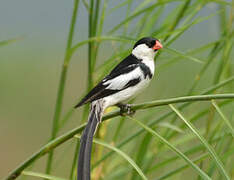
(119, 82)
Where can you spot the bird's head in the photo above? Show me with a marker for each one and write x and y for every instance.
(146, 47)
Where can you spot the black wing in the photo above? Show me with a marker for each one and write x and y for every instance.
(100, 90)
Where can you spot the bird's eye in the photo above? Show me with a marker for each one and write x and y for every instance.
(151, 44)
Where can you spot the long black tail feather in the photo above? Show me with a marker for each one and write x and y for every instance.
(88, 151)
(81, 156)
(95, 114)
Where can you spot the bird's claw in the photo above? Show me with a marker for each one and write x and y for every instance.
(125, 109)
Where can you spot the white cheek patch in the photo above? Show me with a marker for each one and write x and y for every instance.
(119, 82)
(143, 51)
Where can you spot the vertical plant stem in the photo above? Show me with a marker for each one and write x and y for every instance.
(90, 55)
(90, 46)
(62, 82)
(95, 27)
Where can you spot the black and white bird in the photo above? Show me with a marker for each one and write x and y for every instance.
(125, 81)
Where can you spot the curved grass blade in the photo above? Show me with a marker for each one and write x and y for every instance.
(118, 6)
(173, 148)
(122, 154)
(219, 85)
(41, 175)
(86, 5)
(223, 116)
(204, 142)
(170, 126)
(142, 151)
(178, 53)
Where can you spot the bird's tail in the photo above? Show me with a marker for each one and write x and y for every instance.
(94, 119)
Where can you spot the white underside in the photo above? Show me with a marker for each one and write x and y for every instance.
(125, 94)
(131, 92)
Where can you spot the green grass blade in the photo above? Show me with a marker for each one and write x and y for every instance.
(204, 142)
(214, 52)
(178, 53)
(122, 154)
(86, 5)
(41, 175)
(219, 85)
(74, 163)
(143, 147)
(118, 6)
(170, 126)
(173, 148)
(226, 121)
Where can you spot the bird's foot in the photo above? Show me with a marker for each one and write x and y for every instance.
(125, 109)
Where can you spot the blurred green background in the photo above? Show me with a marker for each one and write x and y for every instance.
(30, 67)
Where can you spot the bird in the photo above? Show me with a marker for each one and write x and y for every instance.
(132, 75)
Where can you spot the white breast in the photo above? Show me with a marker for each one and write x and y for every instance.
(128, 93)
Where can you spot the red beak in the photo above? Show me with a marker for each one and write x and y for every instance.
(157, 45)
